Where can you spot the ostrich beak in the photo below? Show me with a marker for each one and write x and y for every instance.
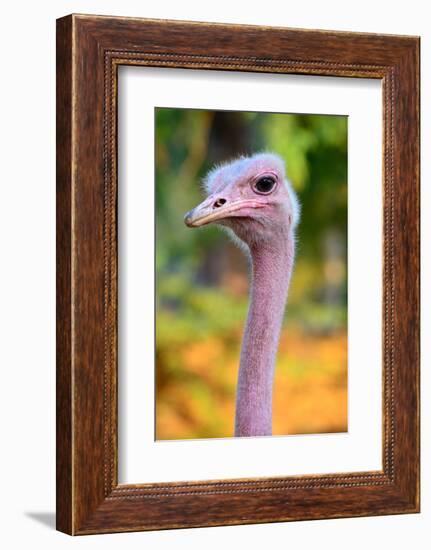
(216, 208)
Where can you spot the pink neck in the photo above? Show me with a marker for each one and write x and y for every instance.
(272, 267)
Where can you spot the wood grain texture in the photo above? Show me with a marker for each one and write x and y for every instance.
(90, 49)
(64, 497)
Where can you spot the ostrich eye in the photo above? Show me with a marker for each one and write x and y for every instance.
(265, 185)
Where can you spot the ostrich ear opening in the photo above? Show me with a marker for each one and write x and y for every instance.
(296, 205)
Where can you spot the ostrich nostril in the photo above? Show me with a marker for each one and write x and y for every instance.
(219, 202)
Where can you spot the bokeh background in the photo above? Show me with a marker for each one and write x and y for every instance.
(202, 278)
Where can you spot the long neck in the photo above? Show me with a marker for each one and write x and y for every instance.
(271, 270)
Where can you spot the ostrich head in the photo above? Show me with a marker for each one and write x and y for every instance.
(251, 197)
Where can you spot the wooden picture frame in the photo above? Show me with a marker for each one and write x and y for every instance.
(89, 51)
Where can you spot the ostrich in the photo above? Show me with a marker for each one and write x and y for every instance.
(255, 203)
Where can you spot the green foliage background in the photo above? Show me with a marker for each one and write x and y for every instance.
(202, 285)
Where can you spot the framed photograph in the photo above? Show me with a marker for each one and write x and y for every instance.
(237, 274)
